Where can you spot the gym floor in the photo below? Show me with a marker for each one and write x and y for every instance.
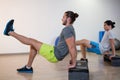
(43, 70)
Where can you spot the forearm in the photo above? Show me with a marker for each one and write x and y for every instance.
(113, 50)
(73, 54)
(112, 46)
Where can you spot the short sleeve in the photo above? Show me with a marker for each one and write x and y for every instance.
(111, 35)
(67, 33)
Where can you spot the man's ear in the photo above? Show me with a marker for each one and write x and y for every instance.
(69, 19)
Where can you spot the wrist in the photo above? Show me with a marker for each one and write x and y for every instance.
(113, 54)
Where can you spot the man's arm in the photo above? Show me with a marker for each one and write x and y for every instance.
(112, 47)
(72, 50)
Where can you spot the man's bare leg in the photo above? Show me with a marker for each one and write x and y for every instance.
(34, 47)
(32, 55)
(83, 50)
(25, 40)
(83, 45)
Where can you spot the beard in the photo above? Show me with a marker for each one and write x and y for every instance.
(65, 22)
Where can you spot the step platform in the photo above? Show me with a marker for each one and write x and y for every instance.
(115, 61)
(80, 72)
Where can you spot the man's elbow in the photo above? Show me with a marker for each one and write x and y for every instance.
(72, 48)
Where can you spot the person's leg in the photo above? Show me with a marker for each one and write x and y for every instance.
(83, 50)
(83, 45)
(9, 31)
(84, 42)
(25, 40)
(32, 55)
(28, 68)
(35, 45)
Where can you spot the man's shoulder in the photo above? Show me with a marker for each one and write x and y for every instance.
(68, 28)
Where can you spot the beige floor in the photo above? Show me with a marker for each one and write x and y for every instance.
(43, 70)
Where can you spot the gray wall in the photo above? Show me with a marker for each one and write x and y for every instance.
(41, 19)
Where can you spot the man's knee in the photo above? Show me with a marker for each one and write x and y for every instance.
(84, 40)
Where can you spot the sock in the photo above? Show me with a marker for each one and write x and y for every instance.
(28, 67)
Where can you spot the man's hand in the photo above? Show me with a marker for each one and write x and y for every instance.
(111, 56)
(72, 64)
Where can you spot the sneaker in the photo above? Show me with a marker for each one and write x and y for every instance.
(9, 27)
(25, 70)
(82, 59)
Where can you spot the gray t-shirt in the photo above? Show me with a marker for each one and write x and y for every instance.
(61, 50)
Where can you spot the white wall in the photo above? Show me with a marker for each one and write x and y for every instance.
(41, 19)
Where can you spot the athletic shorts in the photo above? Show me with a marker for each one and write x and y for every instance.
(95, 48)
(47, 51)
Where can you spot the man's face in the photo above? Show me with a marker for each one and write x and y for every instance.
(106, 27)
(64, 19)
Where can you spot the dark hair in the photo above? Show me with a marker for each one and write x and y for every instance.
(109, 22)
(72, 15)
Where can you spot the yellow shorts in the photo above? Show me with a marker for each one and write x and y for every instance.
(47, 51)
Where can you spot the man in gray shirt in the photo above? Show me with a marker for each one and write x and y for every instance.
(61, 50)
(53, 54)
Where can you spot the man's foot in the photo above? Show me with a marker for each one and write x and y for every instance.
(82, 59)
(72, 66)
(9, 27)
(25, 70)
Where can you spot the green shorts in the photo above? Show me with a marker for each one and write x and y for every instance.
(47, 51)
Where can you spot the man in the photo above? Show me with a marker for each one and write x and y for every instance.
(104, 46)
(53, 54)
